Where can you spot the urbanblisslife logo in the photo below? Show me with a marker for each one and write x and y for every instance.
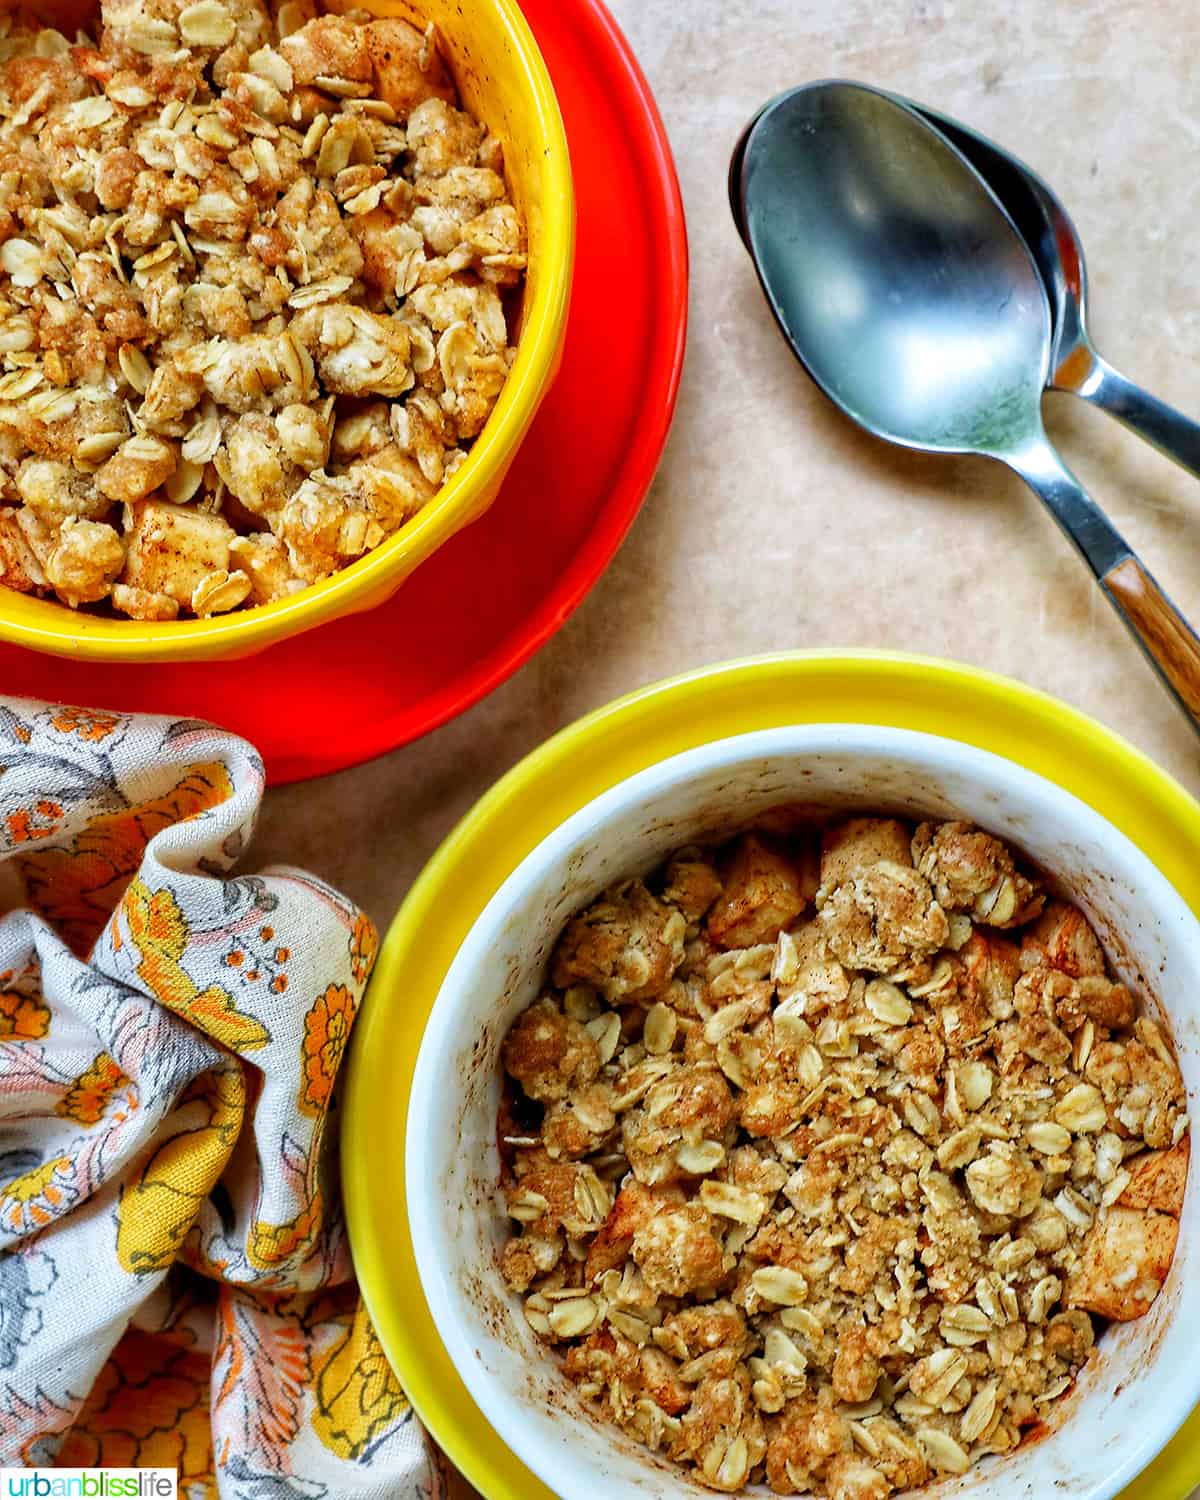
(90, 1484)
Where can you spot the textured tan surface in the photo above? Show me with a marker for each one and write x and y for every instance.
(774, 524)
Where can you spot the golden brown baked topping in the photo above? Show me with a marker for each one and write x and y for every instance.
(251, 316)
(838, 1176)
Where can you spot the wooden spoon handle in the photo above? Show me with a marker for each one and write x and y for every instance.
(1165, 636)
(1169, 642)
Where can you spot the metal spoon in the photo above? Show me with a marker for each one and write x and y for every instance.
(909, 296)
(1075, 363)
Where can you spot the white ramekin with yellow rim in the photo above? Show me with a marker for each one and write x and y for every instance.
(1048, 774)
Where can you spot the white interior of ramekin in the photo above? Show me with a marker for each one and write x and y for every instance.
(1146, 1380)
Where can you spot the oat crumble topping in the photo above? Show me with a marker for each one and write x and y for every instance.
(251, 318)
(829, 1162)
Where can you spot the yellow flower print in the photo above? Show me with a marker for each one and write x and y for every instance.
(22, 1017)
(326, 1032)
(364, 945)
(31, 1201)
(91, 1093)
(271, 1245)
(358, 1397)
(160, 932)
(159, 1202)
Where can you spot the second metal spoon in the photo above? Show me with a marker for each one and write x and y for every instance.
(1075, 365)
(913, 302)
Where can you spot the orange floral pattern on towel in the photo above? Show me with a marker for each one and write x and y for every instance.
(148, 1409)
(77, 883)
(90, 1096)
(175, 1282)
(22, 1016)
(326, 1032)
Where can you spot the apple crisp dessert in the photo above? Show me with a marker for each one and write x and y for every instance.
(829, 1160)
(251, 273)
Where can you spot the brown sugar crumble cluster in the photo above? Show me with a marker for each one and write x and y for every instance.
(251, 317)
(830, 1156)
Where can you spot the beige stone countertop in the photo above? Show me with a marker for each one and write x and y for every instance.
(773, 523)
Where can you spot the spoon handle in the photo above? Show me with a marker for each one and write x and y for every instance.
(1165, 636)
(1169, 642)
(1160, 425)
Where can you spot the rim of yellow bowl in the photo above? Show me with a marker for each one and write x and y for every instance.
(69, 633)
(957, 701)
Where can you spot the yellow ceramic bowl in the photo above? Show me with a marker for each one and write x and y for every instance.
(940, 698)
(503, 81)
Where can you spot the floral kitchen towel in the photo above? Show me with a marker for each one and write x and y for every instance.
(175, 1282)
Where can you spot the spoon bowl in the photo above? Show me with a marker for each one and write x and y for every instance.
(898, 281)
(1076, 365)
(907, 292)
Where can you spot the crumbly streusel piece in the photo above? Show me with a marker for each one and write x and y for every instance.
(833, 1203)
(627, 945)
(972, 871)
(760, 895)
(224, 228)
